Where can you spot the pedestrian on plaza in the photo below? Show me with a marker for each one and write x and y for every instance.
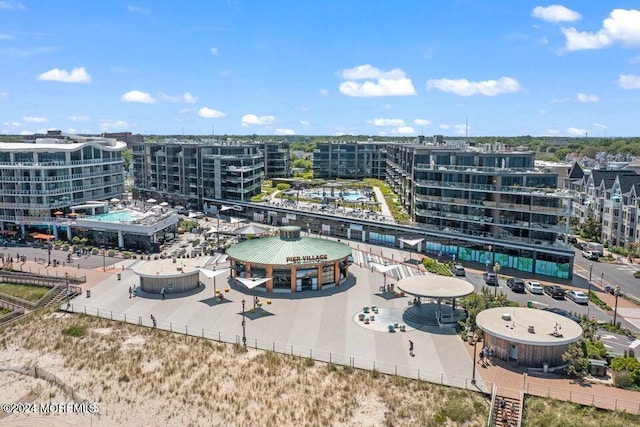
(162, 293)
(153, 320)
(130, 291)
(411, 348)
(490, 359)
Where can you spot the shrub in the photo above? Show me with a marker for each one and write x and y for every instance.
(75, 331)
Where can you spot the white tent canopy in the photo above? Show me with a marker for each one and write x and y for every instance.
(212, 230)
(151, 200)
(411, 242)
(212, 273)
(253, 282)
(234, 220)
(384, 268)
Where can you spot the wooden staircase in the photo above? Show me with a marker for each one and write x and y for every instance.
(506, 411)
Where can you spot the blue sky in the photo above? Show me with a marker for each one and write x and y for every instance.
(302, 67)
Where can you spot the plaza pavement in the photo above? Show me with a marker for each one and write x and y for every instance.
(310, 322)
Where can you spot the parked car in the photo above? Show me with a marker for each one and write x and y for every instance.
(572, 239)
(563, 312)
(515, 284)
(533, 287)
(490, 279)
(578, 297)
(580, 245)
(554, 291)
(458, 270)
(590, 255)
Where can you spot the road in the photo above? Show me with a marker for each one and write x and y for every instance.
(609, 273)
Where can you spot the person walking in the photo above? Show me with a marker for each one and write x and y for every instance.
(153, 320)
(130, 291)
(162, 293)
(411, 348)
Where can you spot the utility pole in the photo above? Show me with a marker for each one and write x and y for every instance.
(589, 291)
(616, 293)
(244, 335)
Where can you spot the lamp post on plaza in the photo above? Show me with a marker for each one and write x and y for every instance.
(104, 259)
(616, 293)
(496, 270)
(589, 289)
(489, 259)
(473, 373)
(244, 335)
(66, 279)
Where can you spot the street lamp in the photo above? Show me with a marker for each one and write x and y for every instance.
(489, 258)
(589, 289)
(473, 373)
(496, 270)
(244, 335)
(616, 293)
(215, 293)
(104, 259)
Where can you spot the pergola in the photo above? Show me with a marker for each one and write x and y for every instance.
(438, 288)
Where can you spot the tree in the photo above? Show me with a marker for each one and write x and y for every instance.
(577, 362)
(127, 157)
(591, 229)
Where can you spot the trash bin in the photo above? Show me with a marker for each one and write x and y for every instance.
(530, 304)
(88, 293)
(119, 276)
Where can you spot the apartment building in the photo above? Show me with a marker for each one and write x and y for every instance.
(190, 173)
(609, 197)
(350, 160)
(277, 159)
(43, 177)
(490, 206)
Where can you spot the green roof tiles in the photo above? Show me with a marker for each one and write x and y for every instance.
(277, 251)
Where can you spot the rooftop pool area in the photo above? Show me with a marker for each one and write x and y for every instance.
(115, 217)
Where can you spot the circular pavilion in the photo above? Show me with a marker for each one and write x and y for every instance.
(439, 288)
(181, 275)
(529, 336)
(289, 262)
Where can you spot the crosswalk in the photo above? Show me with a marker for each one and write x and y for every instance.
(367, 260)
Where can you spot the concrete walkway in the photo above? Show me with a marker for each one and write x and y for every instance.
(384, 208)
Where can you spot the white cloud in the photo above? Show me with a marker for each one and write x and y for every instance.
(444, 126)
(26, 132)
(386, 122)
(324, 92)
(11, 5)
(138, 96)
(601, 126)
(77, 75)
(31, 119)
(252, 119)
(285, 132)
(462, 129)
(185, 110)
(209, 113)
(555, 13)
(12, 124)
(629, 81)
(304, 123)
(583, 97)
(185, 97)
(6, 37)
(4, 95)
(138, 9)
(404, 130)
(577, 131)
(422, 122)
(465, 87)
(109, 125)
(214, 51)
(387, 106)
(622, 26)
(78, 119)
(377, 82)
(635, 60)
(552, 131)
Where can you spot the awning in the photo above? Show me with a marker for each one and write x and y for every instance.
(73, 214)
(253, 282)
(384, 268)
(58, 213)
(42, 236)
(151, 200)
(212, 273)
(114, 200)
(411, 242)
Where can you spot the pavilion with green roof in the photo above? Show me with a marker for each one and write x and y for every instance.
(289, 262)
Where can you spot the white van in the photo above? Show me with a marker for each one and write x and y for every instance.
(595, 247)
